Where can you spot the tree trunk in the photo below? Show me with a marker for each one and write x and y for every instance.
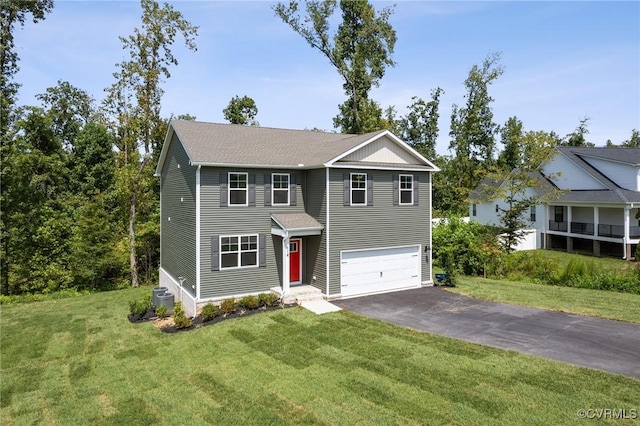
(132, 240)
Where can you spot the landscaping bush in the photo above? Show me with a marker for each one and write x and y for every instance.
(161, 311)
(469, 248)
(268, 299)
(209, 312)
(249, 302)
(140, 307)
(228, 306)
(180, 319)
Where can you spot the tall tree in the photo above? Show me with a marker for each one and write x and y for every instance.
(577, 137)
(241, 110)
(360, 50)
(420, 126)
(134, 102)
(633, 141)
(472, 127)
(523, 185)
(12, 13)
(512, 154)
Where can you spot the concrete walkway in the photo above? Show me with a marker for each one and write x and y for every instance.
(612, 346)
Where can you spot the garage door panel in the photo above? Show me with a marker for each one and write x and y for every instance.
(371, 271)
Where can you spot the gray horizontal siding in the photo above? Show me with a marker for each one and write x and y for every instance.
(316, 246)
(239, 220)
(178, 216)
(380, 225)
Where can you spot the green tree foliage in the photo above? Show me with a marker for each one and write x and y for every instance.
(12, 13)
(577, 137)
(419, 127)
(241, 110)
(472, 127)
(360, 50)
(133, 103)
(633, 141)
(521, 186)
(512, 154)
(467, 247)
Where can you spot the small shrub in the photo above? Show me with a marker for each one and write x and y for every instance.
(268, 299)
(138, 307)
(228, 306)
(179, 317)
(249, 302)
(209, 312)
(161, 311)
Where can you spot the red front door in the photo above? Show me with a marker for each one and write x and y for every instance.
(295, 260)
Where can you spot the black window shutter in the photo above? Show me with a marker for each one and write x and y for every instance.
(416, 189)
(224, 197)
(262, 250)
(347, 186)
(396, 190)
(215, 253)
(293, 186)
(267, 189)
(369, 189)
(252, 189)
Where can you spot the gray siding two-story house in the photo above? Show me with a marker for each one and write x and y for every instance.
(244, 209)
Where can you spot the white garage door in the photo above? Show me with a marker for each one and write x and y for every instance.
(371, 271)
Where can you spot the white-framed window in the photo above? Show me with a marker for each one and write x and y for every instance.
(280, 189)
(358, 189)
(238, 251)
(238, 189)
(406, 190)
(532, 213)
(474, 210)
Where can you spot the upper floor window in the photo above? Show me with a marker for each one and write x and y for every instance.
(238, 189)
(280, 189)
(532, 213)
(406, 189)
(358, 189)
(473, 209)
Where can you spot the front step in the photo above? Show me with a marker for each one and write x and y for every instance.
(299, 294)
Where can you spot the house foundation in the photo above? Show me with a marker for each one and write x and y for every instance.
(596, 248)
(569, 244)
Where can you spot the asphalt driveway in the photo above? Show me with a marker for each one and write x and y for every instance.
(612, 346)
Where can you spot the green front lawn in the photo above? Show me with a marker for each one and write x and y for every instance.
(78, 361)
(597, 303)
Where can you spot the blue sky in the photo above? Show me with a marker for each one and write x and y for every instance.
(563, 61)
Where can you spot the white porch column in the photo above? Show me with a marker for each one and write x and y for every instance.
(596, 220)
(627, 223)
(285, 265)
(569, 218)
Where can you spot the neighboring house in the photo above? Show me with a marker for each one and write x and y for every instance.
(244, 209)
(597, 209)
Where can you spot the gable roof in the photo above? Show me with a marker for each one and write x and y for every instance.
(612, 192)
(630, 156)
(213, 144)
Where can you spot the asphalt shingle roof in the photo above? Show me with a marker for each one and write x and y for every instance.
(296, 221)
(580, 156)
(211, 143)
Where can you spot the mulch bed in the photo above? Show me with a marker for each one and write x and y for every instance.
(166, 324)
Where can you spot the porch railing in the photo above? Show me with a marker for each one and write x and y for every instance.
(582, 228)
(557, 226)
(614, 231)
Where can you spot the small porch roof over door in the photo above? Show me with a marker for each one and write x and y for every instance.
(295, 225)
